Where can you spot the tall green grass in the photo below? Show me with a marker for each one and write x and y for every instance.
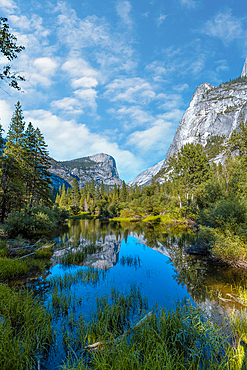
(25, 329)
(177, 339)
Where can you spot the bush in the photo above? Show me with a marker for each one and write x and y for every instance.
(225, 214)
(34, 220)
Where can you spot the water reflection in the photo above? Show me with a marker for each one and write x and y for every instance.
(202, 277)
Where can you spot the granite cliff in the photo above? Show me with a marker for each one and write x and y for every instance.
(213, 113)
(98, 167)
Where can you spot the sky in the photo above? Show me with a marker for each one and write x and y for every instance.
(116, 76)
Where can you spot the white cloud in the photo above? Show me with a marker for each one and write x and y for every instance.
(39, 71)
(224, 26)
(132, 116)
(8, 5)
(20, 21)
(46, 66)
(69, 105)
(132, 90)
(189, 3)
(161, 18)
(67, 139)
(85, 82)
(154, 138)
(78, 67)
(123, 10)
(80, 33)
(5, 115)
(87, 97)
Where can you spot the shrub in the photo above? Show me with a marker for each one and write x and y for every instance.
(34, 220)
(225, 214)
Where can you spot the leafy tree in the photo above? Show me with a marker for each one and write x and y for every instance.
(10, 50)
(187, 169)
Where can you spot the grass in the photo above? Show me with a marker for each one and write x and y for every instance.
(124, 219)
(178, 339)
(83, 216)
(25, 329)
(87, 276)
(165, 219)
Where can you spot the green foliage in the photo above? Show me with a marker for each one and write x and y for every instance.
(34, 220)
(10, 50)
(225, 214)
(25, 329)
(45, 253)
(178, 339)
(214, 146)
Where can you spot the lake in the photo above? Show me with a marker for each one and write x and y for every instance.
(126, 256)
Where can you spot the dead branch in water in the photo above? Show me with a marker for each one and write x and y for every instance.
(97, 345)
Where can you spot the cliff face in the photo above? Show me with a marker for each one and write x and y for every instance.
(145, 177)
(213, 112)
(98, 167)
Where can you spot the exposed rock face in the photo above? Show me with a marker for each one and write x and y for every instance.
(213, 111)
(145, 177)
(244, 71)
(98, 167)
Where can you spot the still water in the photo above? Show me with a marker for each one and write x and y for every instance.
(132, 254)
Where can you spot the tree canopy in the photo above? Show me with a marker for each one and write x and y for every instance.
(10, 50)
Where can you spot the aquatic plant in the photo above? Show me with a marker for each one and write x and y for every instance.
(178, 339)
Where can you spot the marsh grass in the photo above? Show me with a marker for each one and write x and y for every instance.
(177, 339)
(86, 276)
(13, 268)
(25, 329)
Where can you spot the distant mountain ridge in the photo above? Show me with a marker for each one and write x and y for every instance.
(98, 167)
(213, 113)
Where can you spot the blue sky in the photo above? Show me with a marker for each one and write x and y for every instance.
(116, 76)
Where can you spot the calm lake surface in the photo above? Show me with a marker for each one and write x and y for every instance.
(132, 254)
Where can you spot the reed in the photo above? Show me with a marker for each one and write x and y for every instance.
(85, 276)
(177, 339)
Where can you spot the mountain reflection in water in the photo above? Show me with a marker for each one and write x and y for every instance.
(201, 277)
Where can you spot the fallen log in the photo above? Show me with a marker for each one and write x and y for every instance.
(97, 345)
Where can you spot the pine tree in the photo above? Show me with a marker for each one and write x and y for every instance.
(124, 192)
(75, 192)
(63, 199)
(37, 163)
(12, 165)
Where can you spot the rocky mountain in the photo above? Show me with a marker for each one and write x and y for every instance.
(146, 175)
(213, 113)
(98, 167)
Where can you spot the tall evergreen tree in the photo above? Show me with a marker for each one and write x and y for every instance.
(124, 192)
(12, 165)
(37, 163)
(75, 192)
